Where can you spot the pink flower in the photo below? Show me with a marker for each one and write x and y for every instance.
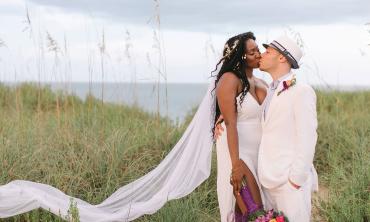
(280, 219)
(269, 215)
(260, 219)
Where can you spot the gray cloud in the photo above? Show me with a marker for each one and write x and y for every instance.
(216, 15)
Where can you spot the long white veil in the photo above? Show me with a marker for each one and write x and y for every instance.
(186, 166)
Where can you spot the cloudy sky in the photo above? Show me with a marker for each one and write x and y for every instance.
(55, 40)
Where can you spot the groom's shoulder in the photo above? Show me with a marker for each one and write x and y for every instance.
(304, 86)
(304, 89)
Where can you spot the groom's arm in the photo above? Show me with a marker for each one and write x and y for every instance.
(305, 126)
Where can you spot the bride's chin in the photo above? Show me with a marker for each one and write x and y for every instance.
(257, 66)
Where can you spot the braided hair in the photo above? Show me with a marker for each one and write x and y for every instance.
(232, 61)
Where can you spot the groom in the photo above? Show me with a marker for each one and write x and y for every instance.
(289, 123)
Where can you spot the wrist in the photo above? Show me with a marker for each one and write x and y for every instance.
(236, 164)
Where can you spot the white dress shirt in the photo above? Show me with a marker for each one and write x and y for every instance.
(271, 92)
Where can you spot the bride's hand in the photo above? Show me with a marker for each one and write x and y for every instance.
(237, 176)
(236, 190)
(218, 128)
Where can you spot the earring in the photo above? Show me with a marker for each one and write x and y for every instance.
(244, 56)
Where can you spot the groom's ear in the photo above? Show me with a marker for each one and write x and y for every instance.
(282, 58)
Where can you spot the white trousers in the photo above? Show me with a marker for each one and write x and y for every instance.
(294, 203)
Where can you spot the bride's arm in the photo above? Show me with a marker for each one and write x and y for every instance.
(226, 92)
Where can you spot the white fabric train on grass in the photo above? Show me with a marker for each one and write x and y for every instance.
(186, 166)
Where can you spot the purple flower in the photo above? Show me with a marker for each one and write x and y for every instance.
(285, 85)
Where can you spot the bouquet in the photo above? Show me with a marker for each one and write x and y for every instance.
(254, 212)
(271, 216)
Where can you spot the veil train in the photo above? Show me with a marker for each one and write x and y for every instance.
(186, 166)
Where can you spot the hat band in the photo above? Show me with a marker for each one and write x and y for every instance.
(284, 50)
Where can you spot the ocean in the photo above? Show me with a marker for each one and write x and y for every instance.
(180, 100)
(181, 97)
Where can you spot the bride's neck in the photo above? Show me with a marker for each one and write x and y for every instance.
(249, 72)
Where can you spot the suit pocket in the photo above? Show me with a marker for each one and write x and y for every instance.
(289, 186)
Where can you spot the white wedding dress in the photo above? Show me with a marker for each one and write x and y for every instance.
(249, 134)
(186, 166)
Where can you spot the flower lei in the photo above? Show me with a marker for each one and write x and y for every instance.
(287, 84)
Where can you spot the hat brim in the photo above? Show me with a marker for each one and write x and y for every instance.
(293, 63)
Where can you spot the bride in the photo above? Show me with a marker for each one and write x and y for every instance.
(239, 99)
(239, 95)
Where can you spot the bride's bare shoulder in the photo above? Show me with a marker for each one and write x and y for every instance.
(229, 77)
(228, 80)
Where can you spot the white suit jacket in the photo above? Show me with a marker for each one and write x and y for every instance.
(289, 137)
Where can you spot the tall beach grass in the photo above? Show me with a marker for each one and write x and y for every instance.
(89, 148)
(89, 154)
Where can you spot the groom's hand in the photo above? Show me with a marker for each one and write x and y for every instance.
(218, 128)
(294, 185)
